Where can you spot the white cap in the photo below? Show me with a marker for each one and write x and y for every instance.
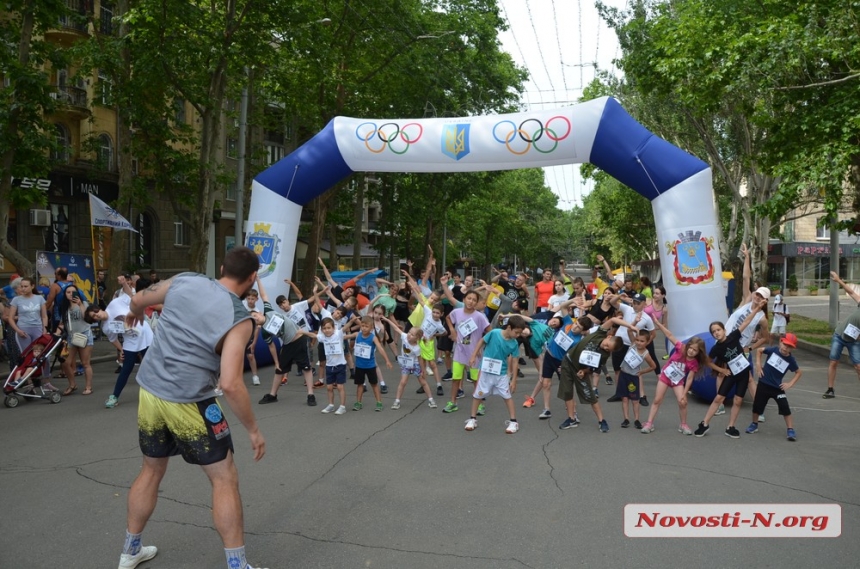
(764, 292)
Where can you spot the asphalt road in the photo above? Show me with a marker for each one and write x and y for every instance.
(411, 488)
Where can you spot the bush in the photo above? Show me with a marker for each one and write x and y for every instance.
(792, 282)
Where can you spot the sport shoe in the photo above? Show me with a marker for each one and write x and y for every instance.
(685, 429)
(432, 404)
(643, 401)
(511, 427)
(625, 423)
(761, 418)
(328, 408)
(792, 436)
(647, 428)
(609, 381)
(111, 402)
(529, 402)
(721, 410)
(481, 410)
(255, 380)
(568, 424)
(460, 394)
(284, 380)
(357, 406)
(396, 404)
(450, 407)
(702, 429)
(379, 406)
(546, 414)
(439, 391)
(733, 433)
(471, 424)
(521, 361)
(613, 399)
(383, 389)
(268, 398)
(520, 374)
(448, 376)
(829, 394)
(128, 561)
(430, 371)
(637, 424)
(340, 410)
(604, 426)
(419, 391)
(753, 428)
(312, 400)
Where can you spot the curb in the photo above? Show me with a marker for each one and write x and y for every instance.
(823, 351)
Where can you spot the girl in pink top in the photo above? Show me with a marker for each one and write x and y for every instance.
(686, 362)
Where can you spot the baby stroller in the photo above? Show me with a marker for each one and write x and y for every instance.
(25, 380)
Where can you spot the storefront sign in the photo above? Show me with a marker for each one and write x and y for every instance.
(64, 185)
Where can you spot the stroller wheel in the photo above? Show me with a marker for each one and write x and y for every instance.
(56, 397)
(11, 401)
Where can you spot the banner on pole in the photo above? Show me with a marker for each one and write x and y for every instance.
(103, 215)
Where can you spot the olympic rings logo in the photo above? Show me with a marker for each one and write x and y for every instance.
(390, 135)
(532, 133)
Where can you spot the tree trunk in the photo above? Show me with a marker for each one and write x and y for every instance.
(320, 206)
(357, 221)
(10, 132)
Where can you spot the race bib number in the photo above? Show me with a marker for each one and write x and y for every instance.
(674, 373)
(852, 331)
(633, 359)
(563, 340)
(333, 348)
(738, 364)
(273, 324)
(589, 358)
(491, 365)
(116, 327)
(406, 361)
(362, 351)
(777, 363)
(429, 329)
(466, 327)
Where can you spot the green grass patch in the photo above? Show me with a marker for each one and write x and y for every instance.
(811, 330)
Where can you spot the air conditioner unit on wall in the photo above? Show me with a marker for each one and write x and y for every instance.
(40, 217)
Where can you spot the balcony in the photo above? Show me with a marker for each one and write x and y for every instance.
(73, 25)
(71, 101)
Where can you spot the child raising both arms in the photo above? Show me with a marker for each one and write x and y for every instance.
(409, 363)
(686, 362)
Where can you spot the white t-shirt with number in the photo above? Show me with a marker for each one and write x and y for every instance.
(333, 346)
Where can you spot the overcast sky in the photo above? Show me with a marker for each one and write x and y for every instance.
(558, 42)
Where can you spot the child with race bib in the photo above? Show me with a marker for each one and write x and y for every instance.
(410, 352)
(365, 348)
(331, 341)
(777, 361)
(686, 362)
(636, 363)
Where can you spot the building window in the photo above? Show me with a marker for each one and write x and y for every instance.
(231, 191)
(103, 90)
(274, 152)
(63, 150)
(822, 231)
(788, 231)
(232, 147)
(106, 18)
(105, 151)
(180, 233)
(179, 111)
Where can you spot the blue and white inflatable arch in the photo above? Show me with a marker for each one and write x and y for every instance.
(599, 131)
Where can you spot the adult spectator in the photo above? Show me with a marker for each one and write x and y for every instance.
(178, 380)
(543, 290)
(10, 290)
(71, 323)
(845, 336)
(101, 288)
(27, 315)
(55, 295)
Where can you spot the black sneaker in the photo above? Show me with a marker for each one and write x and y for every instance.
(383, 389)
(643, 401)
(829, 394)
(268, 398)
(637, 424)
(609, 381)
(520, 374)
(312, 401)
(460, 394)
(613, 399)
(733, 433)
(447, 375)
(702, 429)
(522, 361)
(625, 424)
(119, 369)
(439, 391)
(420, 390)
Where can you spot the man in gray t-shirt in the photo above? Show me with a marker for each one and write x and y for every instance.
(846, 335)
(201, 337)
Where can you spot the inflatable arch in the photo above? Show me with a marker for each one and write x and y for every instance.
(600, 131)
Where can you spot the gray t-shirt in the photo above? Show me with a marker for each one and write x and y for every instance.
(29, 310)
(182, 365)
(853, 318)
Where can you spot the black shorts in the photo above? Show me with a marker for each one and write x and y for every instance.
(550, 366)
(296, 352)
(369, 374)
(628, 386)
(335, 375)
(197, 431)
(401, 311)
(529, 352)
(740, 382)
(764, 392)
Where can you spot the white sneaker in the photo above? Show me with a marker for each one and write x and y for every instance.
(471, 424)
(340, 410)
(430, 371)
(128, 561)
(721, 410)
(440, 361)
(512, 427)
(432, 404)
(396, 404)
(761, 418)
(255, 380)
(328, 408)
